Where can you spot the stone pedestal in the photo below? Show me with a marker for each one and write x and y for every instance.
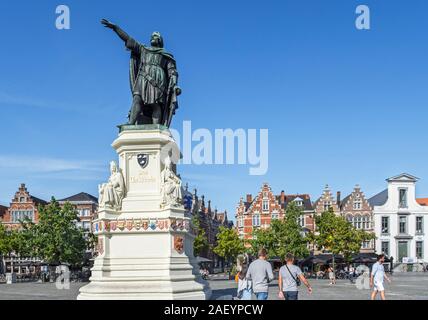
(145, 248)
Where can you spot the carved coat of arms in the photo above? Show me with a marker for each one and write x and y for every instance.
(179, 244)
(143, 160)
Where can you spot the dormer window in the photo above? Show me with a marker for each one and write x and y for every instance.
(402, 198)
(21, 199)
(299, 202)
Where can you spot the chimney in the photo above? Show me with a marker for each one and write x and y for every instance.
(338, 198)
(282, 197)
(249, 198)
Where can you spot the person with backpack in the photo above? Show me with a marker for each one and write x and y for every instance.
(290, 278)
(245, 291)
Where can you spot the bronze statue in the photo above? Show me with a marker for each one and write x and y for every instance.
(153, 79)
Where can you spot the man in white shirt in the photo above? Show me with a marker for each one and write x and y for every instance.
(377, 276)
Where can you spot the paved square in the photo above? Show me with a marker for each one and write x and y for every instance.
(411, 286)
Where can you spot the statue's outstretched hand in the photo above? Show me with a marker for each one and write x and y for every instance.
(108, 24)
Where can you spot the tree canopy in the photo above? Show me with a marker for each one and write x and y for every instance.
(229, 245)
(338, 236)
(201, 241)
(283, 236)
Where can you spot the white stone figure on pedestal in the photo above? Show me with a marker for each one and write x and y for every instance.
(112, 193)
(170, 186)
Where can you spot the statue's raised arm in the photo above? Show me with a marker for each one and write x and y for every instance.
(122, 34)
(153, 79)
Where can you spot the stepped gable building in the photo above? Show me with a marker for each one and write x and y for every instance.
(258, 212)
(86, 206)
(327, 201)
(358, 211)
(401, 225)
(23, 205)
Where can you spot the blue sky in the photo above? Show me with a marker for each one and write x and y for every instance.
(342, 106)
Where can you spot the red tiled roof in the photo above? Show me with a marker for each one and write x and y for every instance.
(423, 201)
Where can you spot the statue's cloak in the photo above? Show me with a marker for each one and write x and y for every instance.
(134, 67)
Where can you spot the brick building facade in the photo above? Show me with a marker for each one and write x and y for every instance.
(23, 205)
(259, 211)
(358, 211)
(327, 201)
(86, 206)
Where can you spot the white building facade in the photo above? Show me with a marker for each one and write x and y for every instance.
(401, 224)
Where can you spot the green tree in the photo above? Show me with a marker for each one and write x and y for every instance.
(336, 235)
(283, 236)
(201, 241)
(57, 238)
(229, 245)
(5, 241)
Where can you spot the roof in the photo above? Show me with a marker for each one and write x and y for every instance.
(307, 203)
(379, 199)
(423, 201)
(38, 200)
(403, 177)
(2, 210)
(344, 200)
(80, 197)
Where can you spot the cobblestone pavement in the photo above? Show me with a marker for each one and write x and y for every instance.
(403, 287)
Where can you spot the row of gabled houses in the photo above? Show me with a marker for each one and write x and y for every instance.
(395, 215)
(25, 205)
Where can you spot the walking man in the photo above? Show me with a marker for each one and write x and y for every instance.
(290, 277)
(260, 273)
(377, 276)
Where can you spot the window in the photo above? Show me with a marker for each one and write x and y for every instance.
(366, 245)
(86, 225)
(84, 213)
(20, 215)
(22, 199)
(256, 220)
(327, 205)
(357, 204)
(385, 248)
(419, 224)
(385, 225)
(275, 216)
(419, 249)
(366, 222)
(301, 220)
(299, 203)
(241, 222)
(356, 221)
(403, 198)
(402, 224)
(265, 205)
